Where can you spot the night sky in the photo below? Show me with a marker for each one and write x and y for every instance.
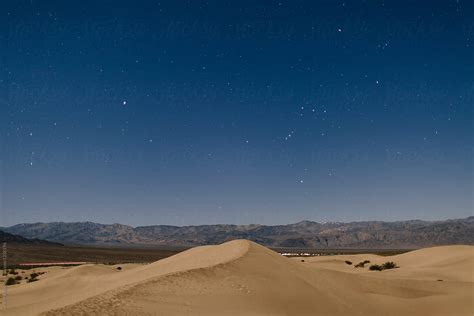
(203, 112)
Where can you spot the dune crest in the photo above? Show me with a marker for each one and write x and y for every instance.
(243, 278)
(75, 284)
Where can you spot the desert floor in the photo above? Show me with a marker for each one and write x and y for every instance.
(243, 278)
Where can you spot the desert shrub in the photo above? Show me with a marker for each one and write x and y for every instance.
(386, 266)
(33, 277)
(119, 268)
(11, 281)
(361, 264)
(389, 265)
(18, 278)
(375, 267)
(348, 262)
(302, 260)
(12, 271)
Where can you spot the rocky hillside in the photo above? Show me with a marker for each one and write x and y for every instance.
(305, 234)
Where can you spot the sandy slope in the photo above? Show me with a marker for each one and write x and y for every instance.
(244, 278)
(61, 287)
(449, 263)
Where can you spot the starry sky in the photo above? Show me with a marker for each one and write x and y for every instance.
(202, 112)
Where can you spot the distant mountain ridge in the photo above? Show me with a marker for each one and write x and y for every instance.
(304, 234)
(16, 239)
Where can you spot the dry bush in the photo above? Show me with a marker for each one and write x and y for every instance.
(362, 264)
(386, 266)
(375, 267)
(389, 265)
(11, 281)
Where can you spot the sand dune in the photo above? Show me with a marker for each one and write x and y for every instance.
(244, 278)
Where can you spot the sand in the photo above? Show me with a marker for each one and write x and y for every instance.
(243, 278)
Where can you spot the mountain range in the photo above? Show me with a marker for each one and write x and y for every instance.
(17, 239)
(304, 234)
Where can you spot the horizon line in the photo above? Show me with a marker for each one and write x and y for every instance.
(251, 224)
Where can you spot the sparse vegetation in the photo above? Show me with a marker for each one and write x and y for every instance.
(119, 268)
(386, 266)
(33, 277)
(348, 262)
(376, 267)
(13, 271)
(362, 264)
(11, 281)
(389, 265)
(18, 278)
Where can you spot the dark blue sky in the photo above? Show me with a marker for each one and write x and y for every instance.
(193, 112)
